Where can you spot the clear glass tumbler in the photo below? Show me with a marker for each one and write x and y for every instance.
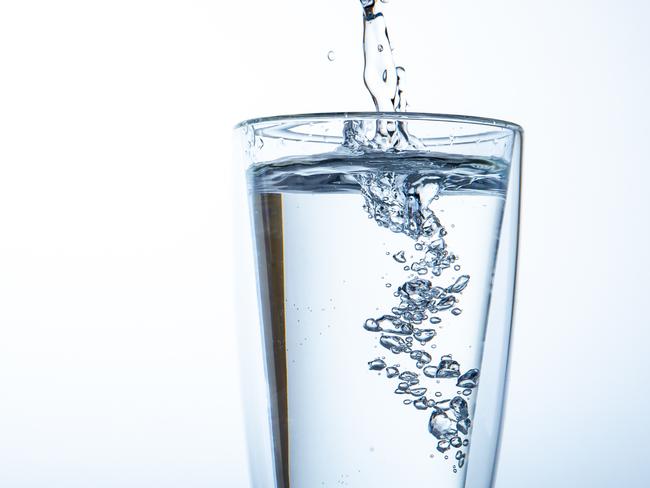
(375, 296)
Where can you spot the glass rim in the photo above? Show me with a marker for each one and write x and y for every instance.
(432, 117)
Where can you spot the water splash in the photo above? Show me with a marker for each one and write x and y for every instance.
(384, 80)
(402, 203)
(380, 74)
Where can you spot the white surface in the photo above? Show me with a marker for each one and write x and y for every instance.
(117, 356)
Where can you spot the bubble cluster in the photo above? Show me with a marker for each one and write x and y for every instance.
(402, 204)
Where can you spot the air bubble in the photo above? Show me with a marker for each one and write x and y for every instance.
(376, 365)
(441, 425)
(372, 325)
(421, 403)
(459, 285)
(469, 379)
(399, 257)
(464, 425)
(422, 358)
(430, 371)
(460, 408)
(391, 372)
(443, 446)
(424, 335)
(331, 55)
(408, 376)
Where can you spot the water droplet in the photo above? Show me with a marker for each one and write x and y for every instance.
(467, 392)
(435, 320)
(407, 402)
(331, 56)
(438, 394)
(456, 311)
(388, 285)
(466, 443)
(376, 365)
(457, 267)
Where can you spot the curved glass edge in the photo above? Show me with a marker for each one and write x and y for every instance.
(384, 115)
(483, 463)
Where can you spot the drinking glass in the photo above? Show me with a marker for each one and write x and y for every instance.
(375, 267)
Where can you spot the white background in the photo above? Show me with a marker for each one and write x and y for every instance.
(118, 359)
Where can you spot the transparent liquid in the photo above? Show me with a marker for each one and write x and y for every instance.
(331, 265)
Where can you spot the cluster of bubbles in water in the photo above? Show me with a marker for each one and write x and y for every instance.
(402, 203)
